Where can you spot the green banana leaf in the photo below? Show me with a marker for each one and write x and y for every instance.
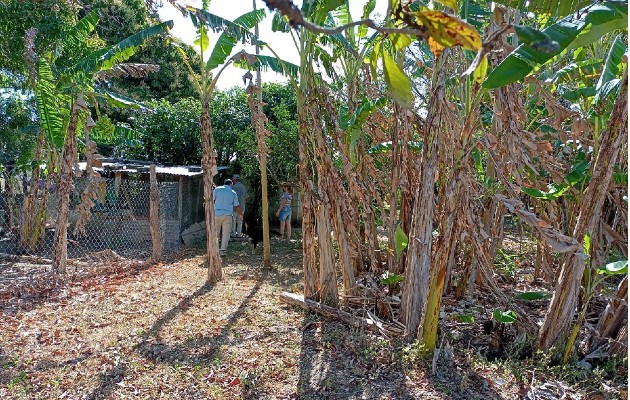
(226, 42)
(524, 59)
(609, 79)
(78, 35)
(267, 63)
(558, 8)
(48, 104)
(279, 23)
(397, 81)
(614, 268)
(367, 10)
(105, 59)
(117, 100)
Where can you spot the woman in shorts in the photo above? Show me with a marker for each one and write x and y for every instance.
(284, 212)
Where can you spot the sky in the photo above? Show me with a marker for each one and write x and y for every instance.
(281, 43)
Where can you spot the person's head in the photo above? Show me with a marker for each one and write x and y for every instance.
(236, 178)
(287, 188)
(228, 182)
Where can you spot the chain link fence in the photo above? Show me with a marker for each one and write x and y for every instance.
(118, 221)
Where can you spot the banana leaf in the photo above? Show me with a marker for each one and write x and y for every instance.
(522, 61)
(226, 42)
(48, 104)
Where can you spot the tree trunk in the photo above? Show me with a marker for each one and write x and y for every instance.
(563, 303)
(34, 209)
(209, 166)
(327, 270)
(418, 266)
(306, 196)
(259, 121)
(154, 217)
(60, 249)
(620, 346)
(616, 313)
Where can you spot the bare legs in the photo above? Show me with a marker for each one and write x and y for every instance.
(285, 225)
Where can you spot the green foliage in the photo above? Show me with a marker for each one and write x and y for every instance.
(392, 279)
(400, 240)
(566, 33)
(614, 268)
(609, 79)
(397, 81)
(268, 63)
(17, 141)
(49, 104)
(169, 133)
(557, 8)
(536, 39)
(50, 17)
(504, 317)
(102, 60)
(465, 318)
(530, 296)
(226, 42)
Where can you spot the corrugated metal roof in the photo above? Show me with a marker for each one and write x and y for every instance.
(130, 167)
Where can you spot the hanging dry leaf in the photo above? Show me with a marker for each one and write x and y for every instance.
(447, 31)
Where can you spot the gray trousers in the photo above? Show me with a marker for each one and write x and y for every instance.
(223, 228)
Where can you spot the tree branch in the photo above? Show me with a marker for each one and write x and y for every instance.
(296, 19)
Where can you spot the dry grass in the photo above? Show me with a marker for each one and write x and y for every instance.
(162, 332)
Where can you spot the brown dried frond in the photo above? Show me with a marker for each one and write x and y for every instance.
(132, 70)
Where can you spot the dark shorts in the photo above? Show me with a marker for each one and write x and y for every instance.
(285, 214)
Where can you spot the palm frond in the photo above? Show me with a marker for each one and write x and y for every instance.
(226, 42)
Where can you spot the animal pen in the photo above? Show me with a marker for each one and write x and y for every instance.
(119, 219)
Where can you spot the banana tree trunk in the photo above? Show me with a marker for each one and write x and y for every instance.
(60, 248)
(34, 208)
(209, 166)
(564, 301)
(615, 313)
(327, 270)
(417, 270)
(308, 212)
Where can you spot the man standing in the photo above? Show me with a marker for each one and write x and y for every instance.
(241, 193)
(225, 203)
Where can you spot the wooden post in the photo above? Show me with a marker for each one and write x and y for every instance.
(154, 217)
(180, 199)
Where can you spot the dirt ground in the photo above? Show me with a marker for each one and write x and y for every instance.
(148, 332)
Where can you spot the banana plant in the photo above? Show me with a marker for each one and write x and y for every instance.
(572, 32)
(65, 91)
(232, 32)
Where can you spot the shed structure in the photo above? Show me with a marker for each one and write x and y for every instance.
(120, 217)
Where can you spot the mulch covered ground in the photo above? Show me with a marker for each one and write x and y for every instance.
(147, 332)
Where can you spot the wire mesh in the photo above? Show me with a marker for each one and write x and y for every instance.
(118, 220)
